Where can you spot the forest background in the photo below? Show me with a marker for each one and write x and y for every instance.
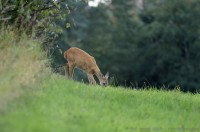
(140, 42)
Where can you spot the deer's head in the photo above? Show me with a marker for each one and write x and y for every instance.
(104, 80)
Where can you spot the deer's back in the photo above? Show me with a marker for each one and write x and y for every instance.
(80, 59)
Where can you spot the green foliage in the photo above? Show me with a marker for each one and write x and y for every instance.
(33, 16)
(60, 105)
(168, 45)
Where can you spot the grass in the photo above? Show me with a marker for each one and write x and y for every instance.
(22, 66)
(60, 105)
(33, 100)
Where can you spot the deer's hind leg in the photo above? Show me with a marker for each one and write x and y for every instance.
(91, 79)
(71, 70)
(66, 67)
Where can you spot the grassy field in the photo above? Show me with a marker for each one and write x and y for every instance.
(60, 105)
(34, 100)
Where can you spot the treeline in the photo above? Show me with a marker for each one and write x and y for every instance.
(155, 46)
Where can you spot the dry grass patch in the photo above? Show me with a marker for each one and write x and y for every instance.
(22, 65)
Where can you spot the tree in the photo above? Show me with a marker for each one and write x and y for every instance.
(168, 45)
(33, 16)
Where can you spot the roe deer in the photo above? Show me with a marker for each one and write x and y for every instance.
(82, 60)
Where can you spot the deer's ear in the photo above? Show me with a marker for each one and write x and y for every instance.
(107, 75)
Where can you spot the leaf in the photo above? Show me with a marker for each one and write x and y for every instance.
(68, 25)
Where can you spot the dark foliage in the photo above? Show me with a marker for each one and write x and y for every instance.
(157, 46)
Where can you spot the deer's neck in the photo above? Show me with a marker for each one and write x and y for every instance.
(99, 74)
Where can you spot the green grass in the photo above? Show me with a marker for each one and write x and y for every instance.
(61, 105)
(33, 100)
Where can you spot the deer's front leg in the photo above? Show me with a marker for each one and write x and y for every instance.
(91, 79)
(71, 70)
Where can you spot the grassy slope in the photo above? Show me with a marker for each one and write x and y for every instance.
(32, 100)
(61, 105)
(21, 66)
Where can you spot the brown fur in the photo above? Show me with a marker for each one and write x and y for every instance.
(82, 60)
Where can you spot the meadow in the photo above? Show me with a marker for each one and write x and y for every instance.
(33, 99)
